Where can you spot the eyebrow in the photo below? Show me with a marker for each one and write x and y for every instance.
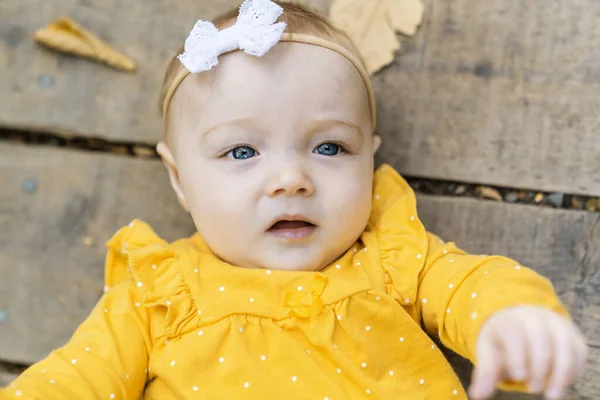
(327, 123)
(315, 125)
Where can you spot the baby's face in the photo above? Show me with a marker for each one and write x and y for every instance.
(273, 156)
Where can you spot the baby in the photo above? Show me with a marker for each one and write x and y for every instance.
(310, 276)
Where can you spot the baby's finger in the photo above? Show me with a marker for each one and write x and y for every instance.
(514, 352)
(489, 367)
(540, 353)
(564, 360)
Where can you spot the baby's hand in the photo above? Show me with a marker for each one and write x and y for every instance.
(528, 344)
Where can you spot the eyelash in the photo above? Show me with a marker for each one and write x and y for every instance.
(342, 150)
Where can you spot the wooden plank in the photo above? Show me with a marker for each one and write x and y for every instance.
(45, 241)
(498, 92)
(43, 90)
(52, 238)
(494, 92)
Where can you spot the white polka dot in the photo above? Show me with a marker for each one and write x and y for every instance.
(19, 393)
(339, 317)
(377, 298)
(451, 261)
(518, 267)
(447, 311)
(473, 315)
(300, 288)
(474, 295)
(222, 288)
(455, 392)
(106, 310)
(364, 365)
(251, 299)
(451, 285)
(422, 381)
(137, 304)
(87, 349)
(112, 396)
(433, 347)
(307, 351)
(424, 301)
(412, 217)
(326, 398)
(246, 385)
(43, 371)
(358, 263)
(172, 363)
(338, 266)
(445, 251)
(368, 391)
(200, 333)
(196, 270)
(73, 361)
(377, 197)
(365, 249)
(402, 339)
(222, 359)
(241, 329)
(407, 301)
(52, 381)
(167, 341)
(153, 266)
(339, 370)
(368, 328)
(268, 272)
(391, 373)
(106, 289)
(263, 358)
(131, 224)
(168, 302)
(335, 346)
(294, 378)
(127, 376)
(355, 250)
(419, 256)
(199, 312)
(140, 284)
(195, 388)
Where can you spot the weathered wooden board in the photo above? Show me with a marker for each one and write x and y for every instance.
(498, 92)
(52, 275)
(52, 238)
(495, 92)
(44, 90)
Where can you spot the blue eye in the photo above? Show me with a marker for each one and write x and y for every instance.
(328, 149)
(242, 153)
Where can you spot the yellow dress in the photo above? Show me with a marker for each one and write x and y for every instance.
(178, 323)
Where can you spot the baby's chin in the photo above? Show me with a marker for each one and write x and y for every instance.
(293, 260)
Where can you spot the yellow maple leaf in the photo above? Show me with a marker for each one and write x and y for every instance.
(372, 25)
(67, 36)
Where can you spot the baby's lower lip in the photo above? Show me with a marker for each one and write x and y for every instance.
(293, 233)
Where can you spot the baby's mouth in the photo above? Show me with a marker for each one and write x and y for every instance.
(292, 230)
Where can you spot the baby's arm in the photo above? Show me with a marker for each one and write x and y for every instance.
(459, 293)
(107, 357)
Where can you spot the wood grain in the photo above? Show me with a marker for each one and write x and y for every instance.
(494, 92)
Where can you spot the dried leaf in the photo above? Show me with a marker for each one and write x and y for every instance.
(488, 193)
(372, 25)
(67, 36)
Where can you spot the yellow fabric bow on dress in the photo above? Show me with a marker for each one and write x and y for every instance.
(307, 304)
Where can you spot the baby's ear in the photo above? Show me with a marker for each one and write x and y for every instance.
(169, 161)
(376, 143)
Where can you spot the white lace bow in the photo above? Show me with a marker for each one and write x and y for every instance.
(255, 32)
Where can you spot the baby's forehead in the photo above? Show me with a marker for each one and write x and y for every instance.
(292, 80)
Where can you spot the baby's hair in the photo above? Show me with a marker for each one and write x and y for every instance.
(299, 20)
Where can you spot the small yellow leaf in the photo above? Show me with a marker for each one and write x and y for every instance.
(372, 25)
(67, 36)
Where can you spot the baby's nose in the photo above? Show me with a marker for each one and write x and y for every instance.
(290, 179)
